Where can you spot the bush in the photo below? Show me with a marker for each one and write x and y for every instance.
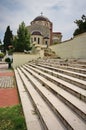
(7, 60)
(1, 55)
(10, 52)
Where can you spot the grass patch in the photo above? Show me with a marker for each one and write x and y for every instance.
(12, 118)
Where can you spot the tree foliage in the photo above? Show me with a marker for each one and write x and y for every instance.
(22, 40)
(81, 24)
(8, 39)
(0, 44)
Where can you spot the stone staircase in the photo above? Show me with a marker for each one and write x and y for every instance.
(53, 95)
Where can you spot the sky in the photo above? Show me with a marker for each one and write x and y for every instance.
(62, 13)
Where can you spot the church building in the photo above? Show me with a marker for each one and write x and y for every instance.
(41, 30)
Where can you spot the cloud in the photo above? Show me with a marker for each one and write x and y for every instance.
(62, 13)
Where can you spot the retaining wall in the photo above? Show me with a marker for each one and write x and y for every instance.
(74, 48)
(22, 58)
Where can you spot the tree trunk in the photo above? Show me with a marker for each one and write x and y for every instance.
(9, 65)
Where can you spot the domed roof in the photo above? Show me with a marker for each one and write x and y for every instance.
(36, 33)
(41, 18)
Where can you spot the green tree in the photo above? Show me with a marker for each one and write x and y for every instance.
(22, 40)
(0, 44)
(8, 39)
(0, 41)
(81, 24)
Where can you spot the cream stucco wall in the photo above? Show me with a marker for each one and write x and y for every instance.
(74, 48)
(22, 58)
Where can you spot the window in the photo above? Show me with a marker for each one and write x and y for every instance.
(34, 38)
(38, 40)
(46, 42)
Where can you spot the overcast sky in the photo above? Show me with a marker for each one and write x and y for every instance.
(62, 13)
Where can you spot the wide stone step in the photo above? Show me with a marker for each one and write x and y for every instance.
(75, 69)
(75, 81)
(49, 120)
(63, 71)
(61, 110)
(68, 62)
(31, 118)
(83, 65)
(80, 93)
(79, 70)
(74, 103)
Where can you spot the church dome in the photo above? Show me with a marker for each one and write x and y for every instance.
(36, 33)
(41, 18)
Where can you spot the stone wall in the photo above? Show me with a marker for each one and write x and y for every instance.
(73, 48)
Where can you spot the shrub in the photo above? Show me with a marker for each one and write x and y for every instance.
(10, 52)
(8, 60)
(1, 55)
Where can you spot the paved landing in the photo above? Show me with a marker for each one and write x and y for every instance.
(8, 90)
(8, 97)
(7, 82)
(6, 77)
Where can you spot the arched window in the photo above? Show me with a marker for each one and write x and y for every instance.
(38, 40)
(46, 43)
(34, 39)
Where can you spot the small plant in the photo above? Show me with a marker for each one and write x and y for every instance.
(1, 55)
(7, 60)
(10, 52)
(55, 43)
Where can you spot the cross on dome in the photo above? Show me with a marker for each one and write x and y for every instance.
(41, 13)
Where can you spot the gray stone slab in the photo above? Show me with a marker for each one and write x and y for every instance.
(70, 79)
(75, 122)
(80, 105)
(51, 121)
(32, 120)
(68, 86)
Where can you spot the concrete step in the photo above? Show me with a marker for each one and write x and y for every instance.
(66, 67)
(72, 101)
(49, 120)
(78, 65)
(31, 118)
(70, 73)
(61, 110)
(69, 62)
(72, 80)
(80, 93)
